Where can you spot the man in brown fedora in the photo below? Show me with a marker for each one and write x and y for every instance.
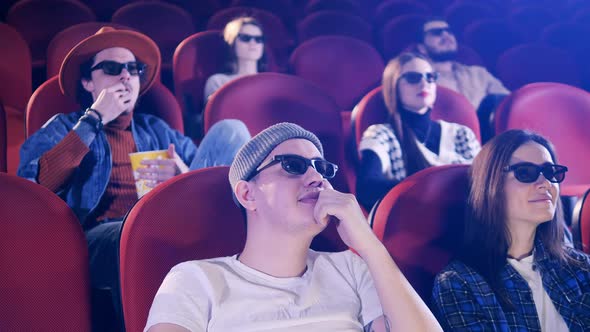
(84, 156)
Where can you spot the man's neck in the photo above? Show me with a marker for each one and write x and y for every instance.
(443, 66)
(278, 255)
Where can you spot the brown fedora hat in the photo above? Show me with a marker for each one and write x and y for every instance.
(144, 49)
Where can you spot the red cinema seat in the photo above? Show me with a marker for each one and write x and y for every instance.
(449, 106)
(15, 89)
(490, 38)
(561, 113)
(461, 13)
(48, 101)
(398, 34)
(269, 98)
(420, 222)
(40, 20)
(581, 223)
(165, 23)
(334, 64)
(346, 6)
(390, 9)
(195, 60)
(190, 217)
(333, 22)
(45, 283)
(530, 63)
(2, 140)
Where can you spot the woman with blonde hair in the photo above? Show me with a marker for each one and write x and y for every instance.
(244, 37)
(410, 140)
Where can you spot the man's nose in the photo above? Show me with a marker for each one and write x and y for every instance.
(125, 75)
(313, 178)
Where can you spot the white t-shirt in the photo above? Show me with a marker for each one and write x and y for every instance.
(549, 317)
(336, 293)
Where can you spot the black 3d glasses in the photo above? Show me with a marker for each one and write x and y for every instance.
(414, 77)
(246, 38)
(114, 68)
(297, 165)
(529, 172)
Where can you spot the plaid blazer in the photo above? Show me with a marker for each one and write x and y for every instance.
(463, 300)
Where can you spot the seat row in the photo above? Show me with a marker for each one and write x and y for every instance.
(557, 111)
(395, 25)
(45, 279)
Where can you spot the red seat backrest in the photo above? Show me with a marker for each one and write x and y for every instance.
(190, 217)
(3, 136)
(268, 98)
(530, 63)
(48, 101)
(529, 21)
(40, 20)
(333, 62)
(463, 12)
(490, 38)
(196, 58)
(165, 23)
(420, 222)
(581, 223)
(66, 39)
(449, 106)
(398, 34)
(44, 284)
(561, 113)
(389, 9)
(15, 69)
(347, 6)
(332, 22)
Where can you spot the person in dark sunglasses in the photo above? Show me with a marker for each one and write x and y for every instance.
(280, 179)
(439, 43)
(515, 270)
(246, 54)
(84, 156)
(484, 91)
(410, 140)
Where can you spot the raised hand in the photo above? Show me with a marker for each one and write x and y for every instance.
(352, 226)
(113, 101)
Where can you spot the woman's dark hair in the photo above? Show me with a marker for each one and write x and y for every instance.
(414, 160)
(486, 235)
(230, 34)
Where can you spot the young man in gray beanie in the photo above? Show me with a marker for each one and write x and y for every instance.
(277, 282)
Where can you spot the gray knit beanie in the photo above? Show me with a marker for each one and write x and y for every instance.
(253, 153)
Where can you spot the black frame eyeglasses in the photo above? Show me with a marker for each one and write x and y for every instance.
(246, 38)
(414, 77)
(297, 165)
(439, 31)
(114, 68)
(528, 172)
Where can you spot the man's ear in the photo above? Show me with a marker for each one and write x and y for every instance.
(244, 195)
(88, 85)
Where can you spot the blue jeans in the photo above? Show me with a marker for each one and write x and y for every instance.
(218, 148)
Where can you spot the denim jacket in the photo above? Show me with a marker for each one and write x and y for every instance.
(89, 181)
(463, 300)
